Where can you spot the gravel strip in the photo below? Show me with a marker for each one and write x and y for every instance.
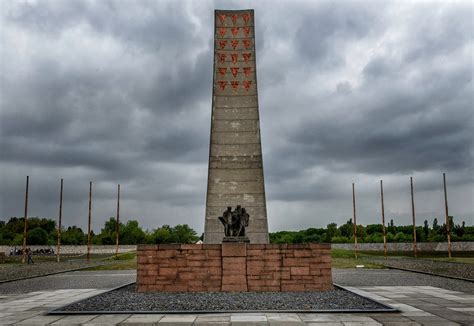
(10, 272)
(70, 280)
(361, 277)
(127, 299)
(446, 268)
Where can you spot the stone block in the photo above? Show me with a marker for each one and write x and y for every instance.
(238, 137)
(234, 279)
(237, 187)
(168, 271)
(234, 288)
(235, 267)
(292, 287)
(236, 149)
(191, 246)
(235, 162)
(299, 271)
(236, 113)
(234, 250)
(235, 102)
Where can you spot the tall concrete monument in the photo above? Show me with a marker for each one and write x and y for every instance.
(235, 156)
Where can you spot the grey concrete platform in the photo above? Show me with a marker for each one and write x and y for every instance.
(418, 305)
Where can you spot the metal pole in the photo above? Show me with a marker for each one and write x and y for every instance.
(25, 228)
(413, 215)
(383, 222)
(355, 221)
(89, 224)
(58, 255)
(117, 228)
(448, 227)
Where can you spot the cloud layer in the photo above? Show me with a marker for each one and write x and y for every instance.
(120, 92)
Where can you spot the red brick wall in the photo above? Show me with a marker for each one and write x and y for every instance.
(234, 267)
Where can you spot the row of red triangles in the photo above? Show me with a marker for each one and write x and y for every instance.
(235, 71)
(234, 17)
(234, 43)
(234, 31)
(234, 56)
(235, 84)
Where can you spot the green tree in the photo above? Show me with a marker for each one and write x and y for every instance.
(426, 228)
(73, 236)
(37, 236)
(162, 235)
(182, 233)
(132, 233)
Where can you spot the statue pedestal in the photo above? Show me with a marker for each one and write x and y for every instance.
(235, 240)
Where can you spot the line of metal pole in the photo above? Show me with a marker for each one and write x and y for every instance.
(89, 224)
(448, 226)
(413, 216)
(117, 227)
(383, 222)
(25, 228)
(58, 251)
(355, 220)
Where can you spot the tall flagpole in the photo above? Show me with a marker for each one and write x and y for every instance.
(89, 224)
(448, 226)
(413, 216)
(117, 227)
(25, 227)
(355, 221)
(58, 254)
(383, 222)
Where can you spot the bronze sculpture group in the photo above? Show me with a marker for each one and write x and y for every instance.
(235, 221)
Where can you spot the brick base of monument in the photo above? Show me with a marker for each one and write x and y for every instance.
(234, 267)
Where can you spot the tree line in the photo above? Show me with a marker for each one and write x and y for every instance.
(43, 231)
(373, 233)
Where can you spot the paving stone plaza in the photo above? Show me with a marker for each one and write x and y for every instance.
(447, 302)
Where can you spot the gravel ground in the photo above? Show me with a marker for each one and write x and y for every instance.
(344, 277)
(391, 277)
(126, 299)
(432, 266)
(71, 280)
(17, 271)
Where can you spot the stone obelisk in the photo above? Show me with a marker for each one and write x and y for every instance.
(235, 157)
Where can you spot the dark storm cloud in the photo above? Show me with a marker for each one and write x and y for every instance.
(120, 92)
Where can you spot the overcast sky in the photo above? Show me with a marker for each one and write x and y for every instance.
(120, 92)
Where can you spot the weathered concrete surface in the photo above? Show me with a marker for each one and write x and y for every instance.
(235, 157)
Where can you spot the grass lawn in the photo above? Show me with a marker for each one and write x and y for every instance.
(126, 260)
(342, 258)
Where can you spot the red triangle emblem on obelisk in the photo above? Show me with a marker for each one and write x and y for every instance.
(246, 56)
(222, 71)
(221, 18)
(246, 18)
(221, 57)
(222, 31)
(247, 31)
(234, 43)
(234, 71)
(222, 84)
(234, 57)
(247, 84)
(234, 18)
(235, 84)
(222, 44)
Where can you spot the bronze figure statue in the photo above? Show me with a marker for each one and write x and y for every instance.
(235, 221)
